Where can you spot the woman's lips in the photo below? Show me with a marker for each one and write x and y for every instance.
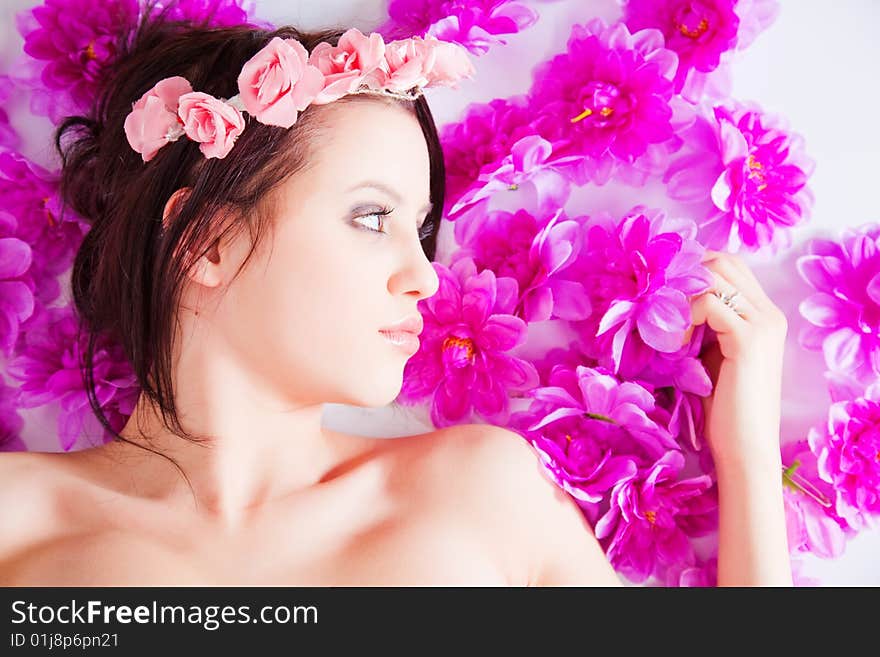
(412, 323)
(405, 340)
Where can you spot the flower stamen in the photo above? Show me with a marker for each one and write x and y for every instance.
(49, 216)
(698, 31)
(756, 172)
(459, 345)
(587, 112)
(599, 416)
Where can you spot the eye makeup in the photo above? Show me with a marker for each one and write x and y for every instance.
(425, 230)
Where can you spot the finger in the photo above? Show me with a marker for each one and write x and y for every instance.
(719, 285)
(735, 270)
(734, 258)
(707, 308)
(732, 330)
(743, 306)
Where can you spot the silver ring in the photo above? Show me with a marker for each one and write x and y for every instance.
(727, 300)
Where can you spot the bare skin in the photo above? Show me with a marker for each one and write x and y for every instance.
(275, 498)
(389, 512)
(279, 500)
(742, 424)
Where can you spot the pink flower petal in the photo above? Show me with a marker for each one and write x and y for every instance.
(842, 350)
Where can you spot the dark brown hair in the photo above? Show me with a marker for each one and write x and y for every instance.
(128, 272)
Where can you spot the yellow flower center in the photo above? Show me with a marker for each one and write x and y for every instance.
(605, 112)
(651, 516)
(756, 172)
(49, 215)
(452, 341)
(698, 31)
(90, 51)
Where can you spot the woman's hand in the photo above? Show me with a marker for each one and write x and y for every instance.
(742, 424)
(745, 365)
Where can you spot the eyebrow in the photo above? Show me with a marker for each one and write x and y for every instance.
(386, 189)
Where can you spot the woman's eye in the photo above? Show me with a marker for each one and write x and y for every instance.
(424, 231)
(379, 221)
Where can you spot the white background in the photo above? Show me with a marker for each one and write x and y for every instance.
(815, 65)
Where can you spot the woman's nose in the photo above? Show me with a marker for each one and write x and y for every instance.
(417, 276)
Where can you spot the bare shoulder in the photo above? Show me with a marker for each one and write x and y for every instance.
(29, 504)
(497, 480)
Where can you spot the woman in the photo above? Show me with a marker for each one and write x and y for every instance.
(253, 286)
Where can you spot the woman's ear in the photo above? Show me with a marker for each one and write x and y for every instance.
(206, 270)
(171, 205)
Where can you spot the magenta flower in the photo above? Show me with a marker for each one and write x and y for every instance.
(528, 166)
(848, 453)
(844, 312)
(590, 430)
(483, 137)
(579, 464)
(48, 367)
(680, 381)
(11, 422)
(593, 394)
(30, 194)
(701, 32)
(463, 363)
(475, 24)
(16, 289)
(641, 271)
(799, 579)
(702, 574)
(217, 13)
(609, 100)
(652, 517)
(74, 42)
(749, 174)
(811, 522)
(535, 252)
(9, 138)
(568, 356)
(755, 16)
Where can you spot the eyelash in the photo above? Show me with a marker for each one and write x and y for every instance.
(425, 231)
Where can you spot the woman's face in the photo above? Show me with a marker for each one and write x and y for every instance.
(304, 315)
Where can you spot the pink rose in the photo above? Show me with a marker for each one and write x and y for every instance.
(407, 64)
(211, 122)
(153, 121)
(278, 82)
(451, 62)
(421, 62)
(345, 65)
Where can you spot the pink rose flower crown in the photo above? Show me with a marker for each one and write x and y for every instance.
(282, 79)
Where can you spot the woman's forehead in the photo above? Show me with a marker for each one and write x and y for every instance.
(371, 140)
